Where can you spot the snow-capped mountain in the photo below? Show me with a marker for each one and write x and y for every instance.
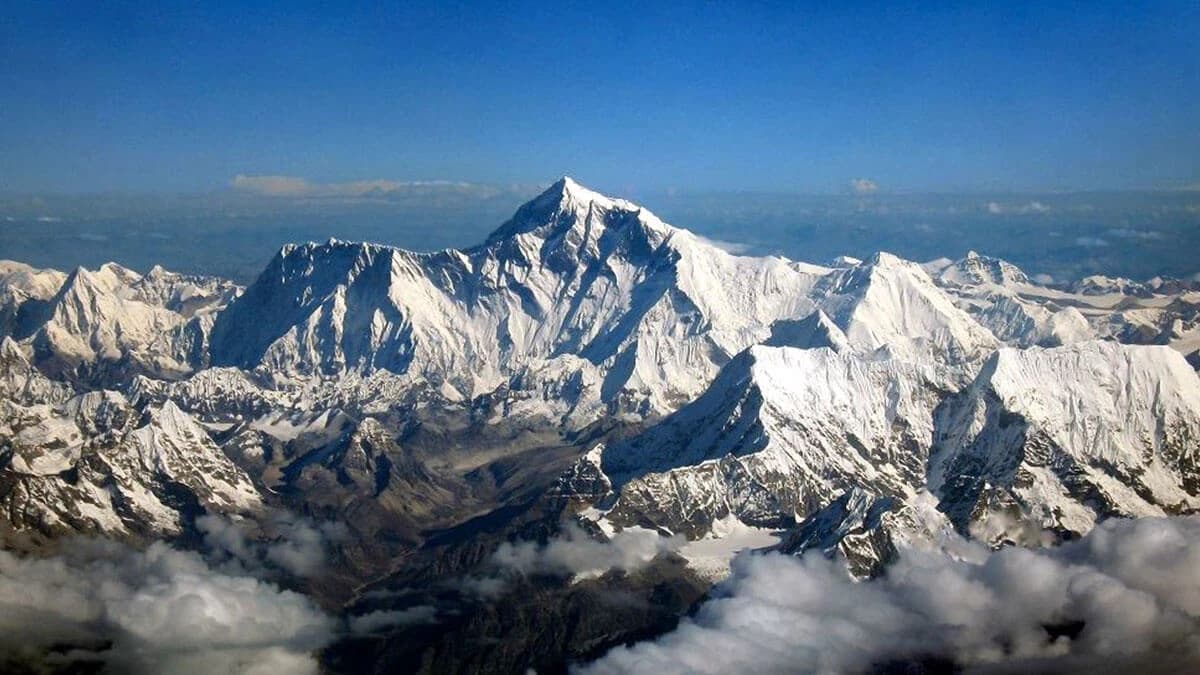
(780, 433)
(976, 269)
(655, 308)
(103, 326)
(865, 453)
(589, 353)
(891, 306)
(98, 465)
(1063, 437)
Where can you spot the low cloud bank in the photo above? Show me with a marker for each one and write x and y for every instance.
(573, 553)
(286, 542)
(578, 554)
(155, 611)
(1128, 594)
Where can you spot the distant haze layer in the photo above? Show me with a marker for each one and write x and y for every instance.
(232, 234)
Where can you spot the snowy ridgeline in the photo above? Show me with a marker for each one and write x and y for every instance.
(853, 405)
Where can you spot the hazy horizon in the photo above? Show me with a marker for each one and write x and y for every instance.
(234, 232)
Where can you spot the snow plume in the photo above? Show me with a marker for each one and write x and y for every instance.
(574, 553)
(730, 247)
(283, 541)
(155, 611)
(1125, 596)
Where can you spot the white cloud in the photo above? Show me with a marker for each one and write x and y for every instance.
(375, 621)
(864, 186)
(1127, 233)
(1043, 279)
(581, 555)
(283, 541)
(574, 553)
(1090, 242)
(996, 208)
(153, 611)
(273, 186)
(1130, 588)
(294, 186)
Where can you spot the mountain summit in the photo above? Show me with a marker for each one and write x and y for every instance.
(573, 273)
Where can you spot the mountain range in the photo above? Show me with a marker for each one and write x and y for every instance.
(591, 366)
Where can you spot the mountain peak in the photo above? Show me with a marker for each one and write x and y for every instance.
(885, 259)
(977, 269)
(567, 205)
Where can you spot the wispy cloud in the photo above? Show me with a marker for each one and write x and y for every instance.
(281, 541)
(996, 208)
(733, 247)
(1091, 242)
(1129, 233)
(864, 186)
(384, 619)
(294, 186)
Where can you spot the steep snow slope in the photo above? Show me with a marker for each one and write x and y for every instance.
(1061, 437)
(21, 383)
(1040, 439)
(779, 433)
(96, 464)
(654, 308)
(891, 306)
(572, 273)
(102, 326)
(24, 292)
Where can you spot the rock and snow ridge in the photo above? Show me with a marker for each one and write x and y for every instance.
(573, 273)
(1040, 443)
(784, 385)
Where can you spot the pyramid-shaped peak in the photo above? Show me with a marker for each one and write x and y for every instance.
(979, 269)
(567, 189)
(885, 259)
(567, 204)
(812, 332)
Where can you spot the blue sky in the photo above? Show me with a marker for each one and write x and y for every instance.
(628, 97)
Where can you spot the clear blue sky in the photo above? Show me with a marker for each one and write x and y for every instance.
(646, 95)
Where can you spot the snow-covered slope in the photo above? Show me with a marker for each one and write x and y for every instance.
(1061, 437)
(410, 389)
(96, 464)
(779, 433)
(891, 306)
(1041, 439)
(572, 273)
(102, 326)
(21, 383)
